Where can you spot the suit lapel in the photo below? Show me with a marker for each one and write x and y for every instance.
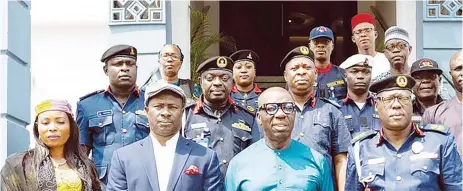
(182, 152)
(149, 162)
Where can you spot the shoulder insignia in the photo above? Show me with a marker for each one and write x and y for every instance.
(90, 94)
(242, 108)
(334, 103)
(437, 128)
(189, 102)
(363, 136)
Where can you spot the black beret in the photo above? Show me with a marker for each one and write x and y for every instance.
(119, 51)
(216, 62)
(301, 51)
(425, 64)
(248, 55)
(393, 82)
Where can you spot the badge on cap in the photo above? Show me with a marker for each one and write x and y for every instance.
(426, 63)
(321, 29)
(304, 50)
(132, 51)
(221, 62)
(401, 81)
(417, 147)
(249, 56)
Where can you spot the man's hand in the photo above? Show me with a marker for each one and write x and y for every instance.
(340, 164)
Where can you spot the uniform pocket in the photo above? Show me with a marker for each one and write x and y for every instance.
(104, 130)
(340, 91)
(425, 169)
(322, 132)
(101, 170)
(142, 131)
(373, 176)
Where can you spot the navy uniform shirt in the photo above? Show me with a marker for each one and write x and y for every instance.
(360, 119)
(246, 100)
(321, 126)
(331, 83)
(427, 160)
(105, 125)
(231, 130)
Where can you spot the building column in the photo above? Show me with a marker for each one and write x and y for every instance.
(15, 77)
(406, 18)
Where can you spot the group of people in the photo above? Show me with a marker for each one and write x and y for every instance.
(371, 123)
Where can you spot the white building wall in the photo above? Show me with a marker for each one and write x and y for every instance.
(69, 37)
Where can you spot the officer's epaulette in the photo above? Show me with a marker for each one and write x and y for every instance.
(189, 102)
(245, 109)
(90, 94)
(332, 102)
(363, 136)
(436, 128)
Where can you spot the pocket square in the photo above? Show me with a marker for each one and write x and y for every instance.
(192, 170)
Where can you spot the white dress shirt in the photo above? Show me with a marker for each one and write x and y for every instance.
(380, 65)
(164, 156)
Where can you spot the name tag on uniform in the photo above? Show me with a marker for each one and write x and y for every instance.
(424, 155)
(348, 117)
(335, 83)
(104, 113)
(376, 161)
(198, 125)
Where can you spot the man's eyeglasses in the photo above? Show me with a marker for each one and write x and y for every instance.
(173, 57)
(366, 30)
(272, 108)
(400, 46)
(427, 77)
(403, 100)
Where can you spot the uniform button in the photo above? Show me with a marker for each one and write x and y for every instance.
(100, 124)
(147, 124)
(124, 130)
(224, 161)
(123, 112)
(425, 167)
(302, 117)
(398, 178)
(279, 167)
(399, 156)
(301, 134)
(221, 139)
(243, 138)
(278, 153)
(281, 181)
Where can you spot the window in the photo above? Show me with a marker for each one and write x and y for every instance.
(137, 12)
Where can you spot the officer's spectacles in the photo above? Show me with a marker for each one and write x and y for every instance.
(403, 100)
(272, 108)
(400, 46)
(425, 76)
(173, 57)
(366, 30)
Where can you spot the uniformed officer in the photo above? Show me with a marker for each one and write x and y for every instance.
(358, 107)
(426, 73)
(214, 120)
(319, 124)
(170, 61)
(330, 80)
(113, 118)
(402, 156)
(245, 92)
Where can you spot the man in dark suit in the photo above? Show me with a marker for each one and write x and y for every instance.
(164, 160)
